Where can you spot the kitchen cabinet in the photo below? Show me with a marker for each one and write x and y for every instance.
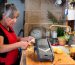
(71, 18)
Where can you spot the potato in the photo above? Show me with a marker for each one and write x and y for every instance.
(57, 50)
(72, 50)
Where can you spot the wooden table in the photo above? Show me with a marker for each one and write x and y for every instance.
(59, 59)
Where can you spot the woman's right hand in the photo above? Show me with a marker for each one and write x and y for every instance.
(24, 44)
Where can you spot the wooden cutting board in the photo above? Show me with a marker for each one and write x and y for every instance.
(59, 59)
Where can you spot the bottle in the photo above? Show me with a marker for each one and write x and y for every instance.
(54, 38)
(54, 34)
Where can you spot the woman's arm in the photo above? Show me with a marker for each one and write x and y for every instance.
(9, 47)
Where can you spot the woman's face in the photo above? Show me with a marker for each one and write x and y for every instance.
(9, 21)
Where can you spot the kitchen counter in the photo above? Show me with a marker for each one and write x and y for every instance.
(31, 59)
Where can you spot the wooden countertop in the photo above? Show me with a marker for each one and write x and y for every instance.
(59, 59)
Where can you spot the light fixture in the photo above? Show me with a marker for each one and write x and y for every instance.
(58, 2)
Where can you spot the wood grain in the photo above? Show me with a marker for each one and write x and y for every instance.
(60, 59)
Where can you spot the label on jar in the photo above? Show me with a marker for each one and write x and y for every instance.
(54, 34)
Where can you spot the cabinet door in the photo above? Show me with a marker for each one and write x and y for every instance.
(71, 24)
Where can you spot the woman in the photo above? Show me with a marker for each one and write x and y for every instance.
(10, 42)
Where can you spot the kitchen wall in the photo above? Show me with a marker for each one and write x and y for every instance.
(36, 14)
(56, 10)
(19, 25)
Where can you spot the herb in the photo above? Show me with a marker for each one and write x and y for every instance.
(60, 32)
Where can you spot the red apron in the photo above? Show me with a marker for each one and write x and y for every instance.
(11, 56)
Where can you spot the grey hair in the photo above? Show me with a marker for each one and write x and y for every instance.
(11, 10)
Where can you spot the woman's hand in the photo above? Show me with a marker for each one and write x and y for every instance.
(26, 42)
(28, 39)
(24, 45)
